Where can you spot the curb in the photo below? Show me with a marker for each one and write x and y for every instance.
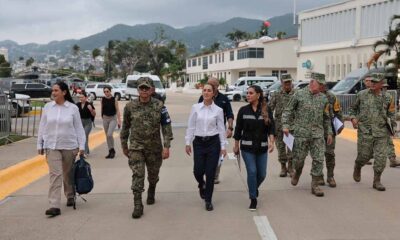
(22, 174)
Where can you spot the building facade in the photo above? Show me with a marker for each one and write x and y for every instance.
(4, 52)
(338, 38)
(257, 57)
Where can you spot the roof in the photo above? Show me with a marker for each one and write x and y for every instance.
(326, 6)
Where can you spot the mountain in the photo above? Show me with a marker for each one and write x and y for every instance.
(195, 37)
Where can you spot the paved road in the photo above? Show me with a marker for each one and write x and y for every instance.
(351, 211)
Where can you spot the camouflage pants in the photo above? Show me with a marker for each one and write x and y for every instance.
(284, 154)
(138, 160)
(391, 151)
(372, 147)
(316, 147)
(330, 156)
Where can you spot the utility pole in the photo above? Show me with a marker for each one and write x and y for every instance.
(294, 12)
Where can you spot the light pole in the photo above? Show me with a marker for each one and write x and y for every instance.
(294, 12)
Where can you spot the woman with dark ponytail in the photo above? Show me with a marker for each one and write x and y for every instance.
(255, 132)
(61, 137)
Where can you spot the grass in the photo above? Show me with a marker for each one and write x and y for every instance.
(37, 104)
(13, 138)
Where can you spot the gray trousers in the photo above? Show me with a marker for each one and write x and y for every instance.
(87, 126)
(109, 124)
(60, 171)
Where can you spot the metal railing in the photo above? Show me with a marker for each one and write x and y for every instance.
(5, 120)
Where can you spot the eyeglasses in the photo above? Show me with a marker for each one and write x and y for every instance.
(144, 89)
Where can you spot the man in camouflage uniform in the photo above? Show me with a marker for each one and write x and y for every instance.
(309, 110)
(391, 149)
(334, 112)
(278, 102)
(143, 118)
(370, 114)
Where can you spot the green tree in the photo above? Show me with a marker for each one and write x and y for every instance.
(237, 36)
(76, 50)
(109, 57)
(129, 53)
(389, 45)
(29, 62)
(5, 67)
(280, 35)
(95, 53)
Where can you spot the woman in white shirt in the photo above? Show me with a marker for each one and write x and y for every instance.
(206, 129)
(61, 136)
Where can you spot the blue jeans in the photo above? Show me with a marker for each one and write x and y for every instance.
(256, 166)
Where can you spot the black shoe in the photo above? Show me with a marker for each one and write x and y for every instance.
(209, 206)
(52, 212)
(253, 205)
(257, 193)
(70, 202)
(112, 153)
(109, 154)
(202, 193)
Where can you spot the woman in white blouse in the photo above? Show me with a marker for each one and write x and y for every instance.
(206, 129)
(61, 136)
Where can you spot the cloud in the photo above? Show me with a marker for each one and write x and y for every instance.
(42, 21)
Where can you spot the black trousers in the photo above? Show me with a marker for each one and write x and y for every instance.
(206, 153)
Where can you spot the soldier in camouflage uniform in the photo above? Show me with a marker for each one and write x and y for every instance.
(143, 118)
(391, 151)
(334, 111)
(370, 114)
(278, 102)
(309, 110)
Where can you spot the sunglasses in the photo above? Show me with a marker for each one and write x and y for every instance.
(144, 88)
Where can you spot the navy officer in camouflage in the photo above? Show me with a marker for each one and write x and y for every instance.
(307, 115)
(278, 102)
(371, 114)
(142, 120)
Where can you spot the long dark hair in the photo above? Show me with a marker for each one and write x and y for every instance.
(64, 87)
(262, 106)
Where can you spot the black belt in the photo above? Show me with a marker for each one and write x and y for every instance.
(206, 138)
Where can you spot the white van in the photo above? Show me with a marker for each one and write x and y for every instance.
(244, 82)
(131, 85)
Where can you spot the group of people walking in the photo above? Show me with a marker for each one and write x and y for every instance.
(146, 134)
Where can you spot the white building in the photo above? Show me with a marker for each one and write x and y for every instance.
(338, 38)
(264, 56)
(4, 52)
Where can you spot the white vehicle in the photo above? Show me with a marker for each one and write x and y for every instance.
(131, 85)
(234, 95)
(120, 88)
(18, 103)
(95, 90)
(244, 82)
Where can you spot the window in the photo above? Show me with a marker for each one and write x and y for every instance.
(189, 63)
(349, 68)
(194, 62)
(251, 73)
(199, 60)
(283, 72)
(205, 62)
(250, 53)
(275, 73)
(34, 86)
(338, 70)
(232, 55)
(210, 59)
(103, 86)
(241, 82)
(219, 57)
(90, 86)
(223, 57)
(327, 71)
(215, 58)
(333, 70)
(242, 74)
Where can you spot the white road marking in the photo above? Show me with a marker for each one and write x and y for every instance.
(264, 228)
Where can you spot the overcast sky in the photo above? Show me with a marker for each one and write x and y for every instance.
(41, 21)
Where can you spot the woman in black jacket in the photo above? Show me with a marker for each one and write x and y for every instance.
(255, 131)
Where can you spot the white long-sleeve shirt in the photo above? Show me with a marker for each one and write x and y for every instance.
(61, 127)
(206, 121)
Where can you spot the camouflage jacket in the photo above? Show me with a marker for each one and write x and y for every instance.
(372, 112)
(310, 114)
(334, 107)
(142, 123)
(278, 103)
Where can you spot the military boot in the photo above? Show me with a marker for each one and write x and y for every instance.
(377, 182)
(321, 181)
(296, 177)
(283, 170)
(394, 162)
(315, 188)
(138, 209)
(330, 180)
(357, 173)
(290, 168)
(151, 192)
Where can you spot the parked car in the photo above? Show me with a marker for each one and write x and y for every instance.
(18, 103)
(34, 90)
(120, 88)
(276, 87)
(244, 82)
(131, 85)
(264, 86)
(234, 95)
(95, 90)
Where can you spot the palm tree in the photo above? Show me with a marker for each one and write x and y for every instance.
(76, 50)
(237, 36)
(389, 45)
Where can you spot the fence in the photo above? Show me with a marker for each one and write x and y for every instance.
(5, 121)
(347, 100)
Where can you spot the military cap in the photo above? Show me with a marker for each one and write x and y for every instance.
(319, 77)
(145, 82)
(377, 77)
(286, 77)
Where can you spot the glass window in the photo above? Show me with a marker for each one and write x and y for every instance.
(242, 74)
(223, 57)
(241, 82)
(275, 73)
(189, 63)
(251, 73)
(205, 62)
(210, 59)
(194, 62)
(250, 53)
(232, 55)
(90, 86)
(34, 86)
